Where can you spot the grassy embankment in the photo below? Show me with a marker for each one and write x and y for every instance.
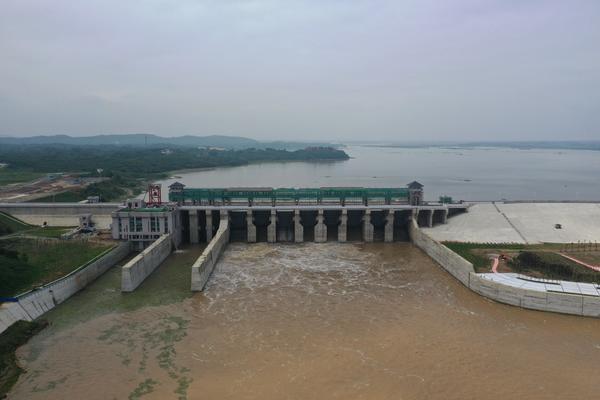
(26, 263)
(11, 225)
(552, 266)
(538, 260)
(29, 263)
(476, 253)
(17, 335)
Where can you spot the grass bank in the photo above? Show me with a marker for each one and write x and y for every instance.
(10, 225)
(552, 266)
(29, 263)
(475, 253)
(10, 340)
(537, 260)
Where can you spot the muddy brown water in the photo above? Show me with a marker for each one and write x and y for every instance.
(310, 321)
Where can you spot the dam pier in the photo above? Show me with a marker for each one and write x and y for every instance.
(214, 217)
(218, 216)
(282, 215)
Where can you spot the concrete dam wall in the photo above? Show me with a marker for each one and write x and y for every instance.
(142, 265)
(457, 266)
(60, 214)
(35, 303)
(461, 269)
(205, 264)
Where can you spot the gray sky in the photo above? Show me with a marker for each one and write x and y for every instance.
(323, 69)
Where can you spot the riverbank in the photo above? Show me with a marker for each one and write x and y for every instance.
(127, 170)
(10, 340)
(567, 297)
(330, 320)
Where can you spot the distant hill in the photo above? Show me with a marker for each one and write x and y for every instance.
(227, 142)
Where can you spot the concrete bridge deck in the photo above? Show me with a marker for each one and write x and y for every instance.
(325, 206)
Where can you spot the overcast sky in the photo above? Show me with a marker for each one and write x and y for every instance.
(323, 69)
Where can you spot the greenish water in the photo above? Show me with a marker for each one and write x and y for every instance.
(141, 344)
(168, 284)
(306, 321)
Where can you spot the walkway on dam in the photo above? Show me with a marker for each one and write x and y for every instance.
(522, 223)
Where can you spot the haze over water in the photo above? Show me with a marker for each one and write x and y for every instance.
(463, 173)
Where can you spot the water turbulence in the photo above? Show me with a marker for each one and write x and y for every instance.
(332, 320)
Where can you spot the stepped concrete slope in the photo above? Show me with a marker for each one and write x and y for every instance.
(522, 223)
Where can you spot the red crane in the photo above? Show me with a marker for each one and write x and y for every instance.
(154, 190)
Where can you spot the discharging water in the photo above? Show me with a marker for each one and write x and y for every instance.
(308, 321)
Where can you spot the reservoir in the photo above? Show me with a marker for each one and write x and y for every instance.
(327, 320)
(473, 174)
(302, 321)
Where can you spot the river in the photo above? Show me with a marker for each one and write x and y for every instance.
(466, 173)
(306, 321)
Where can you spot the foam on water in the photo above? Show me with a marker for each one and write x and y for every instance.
(331, 321)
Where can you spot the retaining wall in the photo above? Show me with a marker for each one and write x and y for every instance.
(33, 304)
(205, 264)
(61, 214)
(449, 260)
(462, 270)
(142, 265)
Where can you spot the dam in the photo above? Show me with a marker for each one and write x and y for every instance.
(278, 316)
(218, 216)
(282, 215)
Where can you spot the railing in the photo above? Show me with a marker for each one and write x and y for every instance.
(281, 195)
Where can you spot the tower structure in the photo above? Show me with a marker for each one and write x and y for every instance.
(154, 195)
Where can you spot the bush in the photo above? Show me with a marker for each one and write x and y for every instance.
(553, 266)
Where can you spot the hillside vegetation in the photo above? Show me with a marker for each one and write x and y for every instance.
(146, 160)
(129, 168)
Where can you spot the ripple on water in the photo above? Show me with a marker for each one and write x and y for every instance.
(337, 321)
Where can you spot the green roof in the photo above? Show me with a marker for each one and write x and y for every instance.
(221, 194)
